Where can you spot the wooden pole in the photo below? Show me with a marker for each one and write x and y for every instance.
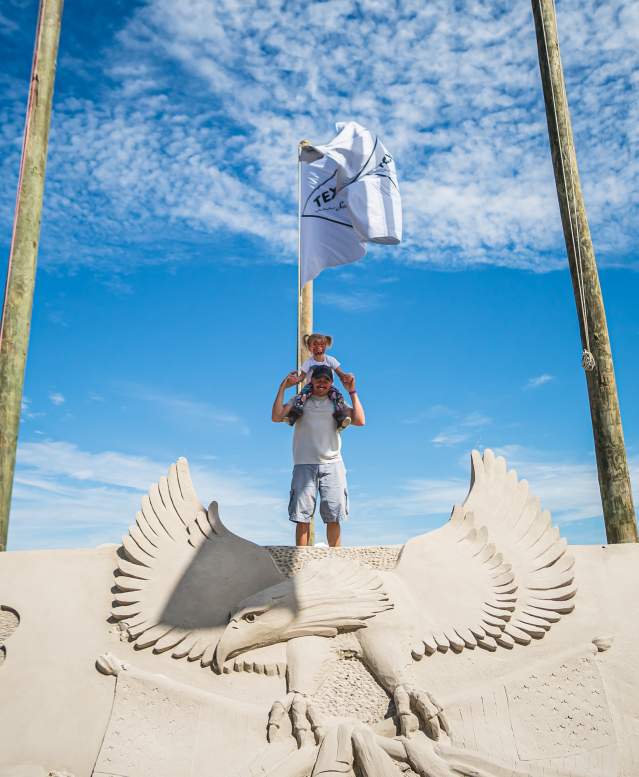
(612, 465)
(18, 301)
(306, 319)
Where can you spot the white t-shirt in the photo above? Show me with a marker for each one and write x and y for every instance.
(316, 439)
(329, 361)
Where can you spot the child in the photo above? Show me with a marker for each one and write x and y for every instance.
(318, 344)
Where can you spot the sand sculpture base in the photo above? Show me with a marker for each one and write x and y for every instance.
(232, 660)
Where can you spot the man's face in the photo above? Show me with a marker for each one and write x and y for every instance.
(321, 386)
(317, 346)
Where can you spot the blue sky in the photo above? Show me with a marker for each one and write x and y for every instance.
(164, 315)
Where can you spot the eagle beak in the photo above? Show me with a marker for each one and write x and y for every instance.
(227, 643)
(219, 658)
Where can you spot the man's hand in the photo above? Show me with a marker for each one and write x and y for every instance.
(348, 381)
(357, 412)
(280, 410)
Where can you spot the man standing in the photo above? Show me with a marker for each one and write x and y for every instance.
(317, 458)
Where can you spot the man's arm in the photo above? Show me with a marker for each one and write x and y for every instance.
(280, 410)
(357, 411)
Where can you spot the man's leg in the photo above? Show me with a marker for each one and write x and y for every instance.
(302, 534)
(301, 505)
(333, 534)
(333, 499)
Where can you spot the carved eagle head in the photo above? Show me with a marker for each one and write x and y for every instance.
(326, 597)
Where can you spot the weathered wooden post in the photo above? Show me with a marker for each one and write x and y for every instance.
(612, 465)
(18, 301)
(306, 319)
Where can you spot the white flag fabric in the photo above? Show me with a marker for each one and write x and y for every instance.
(327, 235)
(350, 181)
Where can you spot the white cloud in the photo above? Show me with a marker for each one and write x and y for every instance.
(539, 380)
(179, 409)
(68, 497)
(197, 130)
(56, 398)
(26, 414)
(461, 429)
(352, 301)
(450, 438)
(565, 486)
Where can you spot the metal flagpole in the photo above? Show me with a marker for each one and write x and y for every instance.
(304, 298)
(304, 293)
(23, 254)
(298, 344)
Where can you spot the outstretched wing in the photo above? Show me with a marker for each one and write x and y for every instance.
(496, 574)
(181, 571)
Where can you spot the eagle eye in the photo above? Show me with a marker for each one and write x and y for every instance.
(250, 617)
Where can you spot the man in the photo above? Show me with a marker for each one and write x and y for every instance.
(317, 458)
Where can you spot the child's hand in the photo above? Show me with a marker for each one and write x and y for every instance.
(291, 379)
(348, 380)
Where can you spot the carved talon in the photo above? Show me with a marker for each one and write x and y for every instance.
(429, 712)
(304, 719)
(408, 722)
(278, 711)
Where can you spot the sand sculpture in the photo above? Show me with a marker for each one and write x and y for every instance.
(486, 647)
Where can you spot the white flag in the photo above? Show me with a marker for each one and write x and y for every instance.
(327, 235)
(350, 196)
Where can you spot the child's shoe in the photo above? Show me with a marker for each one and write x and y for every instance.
(342, 419)
(293, 414)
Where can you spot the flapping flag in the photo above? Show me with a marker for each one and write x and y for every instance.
(350, 196)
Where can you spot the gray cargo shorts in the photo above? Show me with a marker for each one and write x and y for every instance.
(330, 481)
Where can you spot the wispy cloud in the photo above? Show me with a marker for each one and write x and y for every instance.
(65, 496)
(181, 408)
(26, 412)
(450, 437)
(539, 380)
(461, 429)
(433, 412)
(566, 486)
(352, 301)
(56, 398)
(462, 112)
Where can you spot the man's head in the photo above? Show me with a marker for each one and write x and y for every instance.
(317, 343)
(321, 380)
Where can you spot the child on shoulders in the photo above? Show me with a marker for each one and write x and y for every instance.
(318, 344)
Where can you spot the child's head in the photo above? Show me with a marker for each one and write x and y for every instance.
(318, 343)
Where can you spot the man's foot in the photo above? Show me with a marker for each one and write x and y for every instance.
(342, 419)
(293, 414)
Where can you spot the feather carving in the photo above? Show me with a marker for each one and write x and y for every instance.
(180, 571)
(498, 570)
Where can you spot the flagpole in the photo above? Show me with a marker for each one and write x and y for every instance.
(304, 299)
(304, 293)
(299, 261)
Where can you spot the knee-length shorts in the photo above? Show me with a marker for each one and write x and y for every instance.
(327, 479)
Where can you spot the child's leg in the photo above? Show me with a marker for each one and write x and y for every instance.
(297, 409)
(340, 414)
(337, 399)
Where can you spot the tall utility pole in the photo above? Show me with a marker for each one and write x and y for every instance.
(18, 301)
(612, 464)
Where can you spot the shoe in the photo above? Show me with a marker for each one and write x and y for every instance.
(293, 414)
(343, 421)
